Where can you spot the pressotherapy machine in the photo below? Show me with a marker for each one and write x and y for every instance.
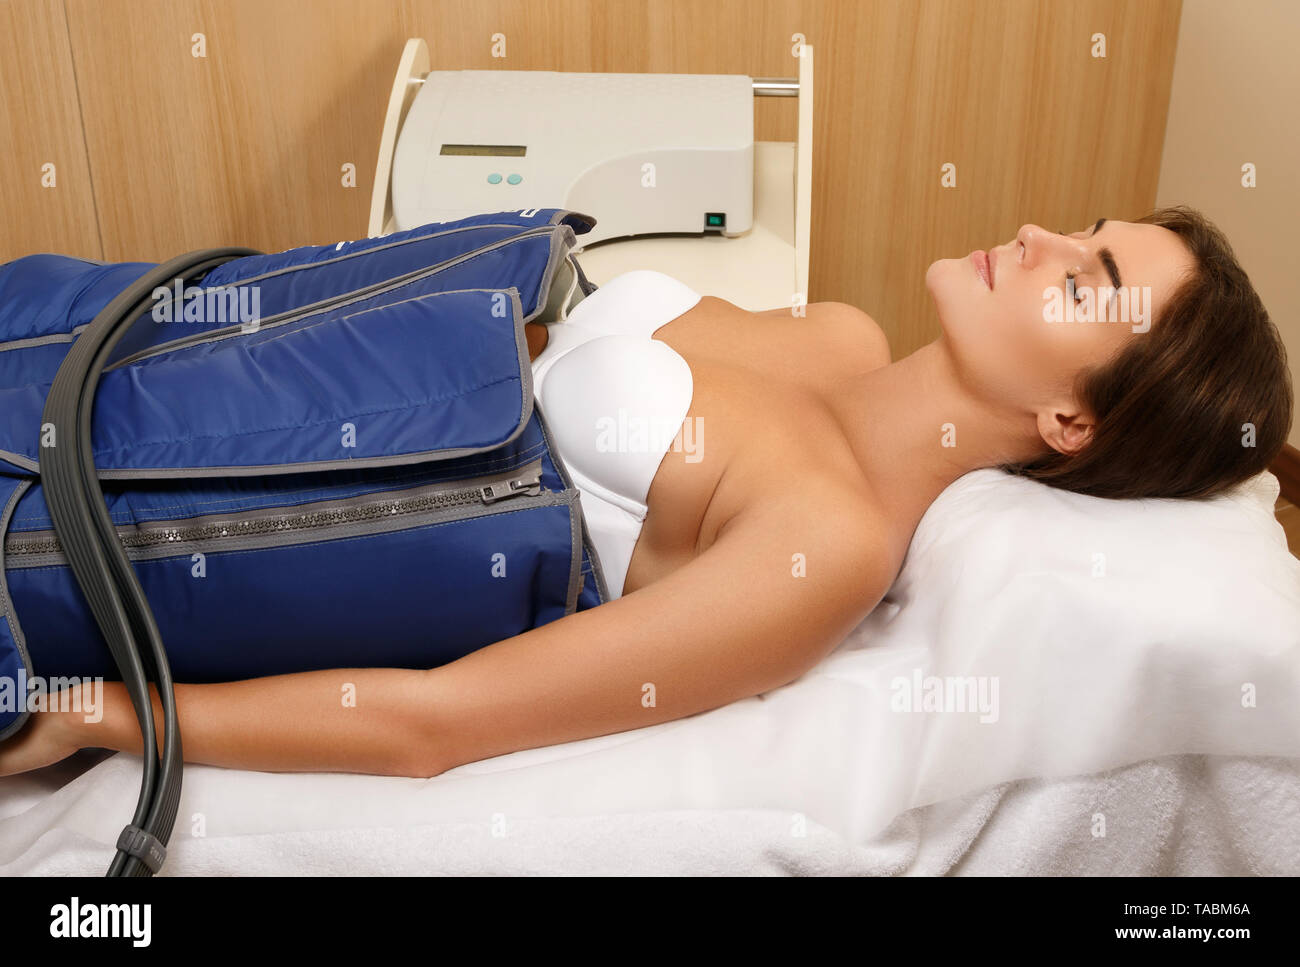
(667, 163)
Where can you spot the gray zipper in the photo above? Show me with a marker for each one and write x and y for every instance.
(334, 302)
(7, 609)
(348, 516)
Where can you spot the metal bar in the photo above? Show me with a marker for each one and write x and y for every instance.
(776, 87)
(763, 86)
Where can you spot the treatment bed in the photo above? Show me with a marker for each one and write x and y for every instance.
(1131, 667)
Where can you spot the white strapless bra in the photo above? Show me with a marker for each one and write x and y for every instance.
(614, 399)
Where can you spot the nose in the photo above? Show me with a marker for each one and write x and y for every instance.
(1039, 243)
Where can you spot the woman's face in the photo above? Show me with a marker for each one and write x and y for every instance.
(1019, 345)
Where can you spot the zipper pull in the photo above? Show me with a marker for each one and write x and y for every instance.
(528, 484)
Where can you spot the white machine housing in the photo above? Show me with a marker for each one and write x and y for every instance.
(642, 153)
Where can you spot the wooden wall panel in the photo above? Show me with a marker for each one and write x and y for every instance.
(1038, 129)
(245, 146)
(40, 124)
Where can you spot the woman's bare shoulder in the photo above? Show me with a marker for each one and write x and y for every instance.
(861, 327)
(824, 528)
(856, 326)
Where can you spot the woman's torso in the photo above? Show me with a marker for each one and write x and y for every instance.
(762, 421)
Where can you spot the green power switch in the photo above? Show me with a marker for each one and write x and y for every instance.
(715, 219)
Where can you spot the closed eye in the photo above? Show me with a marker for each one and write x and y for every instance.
(1106, 257)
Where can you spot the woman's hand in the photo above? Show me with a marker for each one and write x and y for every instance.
(47, 737)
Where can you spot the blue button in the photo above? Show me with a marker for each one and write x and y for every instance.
(494, 179)
(515, 179)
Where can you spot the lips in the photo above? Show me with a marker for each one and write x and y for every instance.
(980, 260)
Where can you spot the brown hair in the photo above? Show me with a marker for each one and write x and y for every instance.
(1171, 405)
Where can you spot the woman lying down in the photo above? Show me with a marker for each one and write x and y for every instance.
(781, 514)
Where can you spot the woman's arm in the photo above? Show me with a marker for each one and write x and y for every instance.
(742, 618)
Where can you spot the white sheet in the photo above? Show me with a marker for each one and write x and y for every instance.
(1187, 815)
(1094, 674)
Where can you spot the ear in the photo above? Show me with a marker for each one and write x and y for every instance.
(1066, 431)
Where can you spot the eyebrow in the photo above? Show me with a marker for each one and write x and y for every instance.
(1107, 258)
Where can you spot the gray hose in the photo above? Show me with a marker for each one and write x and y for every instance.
(100, 564)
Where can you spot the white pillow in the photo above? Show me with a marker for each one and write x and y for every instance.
(1112, 630)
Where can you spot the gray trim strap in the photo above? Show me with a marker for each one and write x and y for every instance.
(575, 554)
(588, 287)
(18, 460)
(48, 340)
(602, 588)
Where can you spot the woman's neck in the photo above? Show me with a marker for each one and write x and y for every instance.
(915, 428)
